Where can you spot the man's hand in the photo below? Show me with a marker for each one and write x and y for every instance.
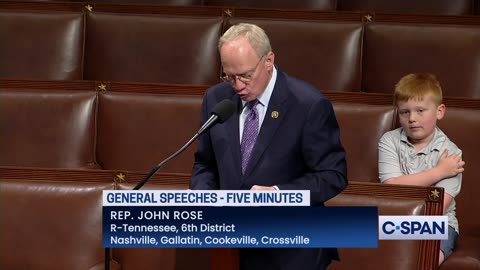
(256, 187)
(449, 166)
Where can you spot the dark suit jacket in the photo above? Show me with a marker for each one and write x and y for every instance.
(298, 150)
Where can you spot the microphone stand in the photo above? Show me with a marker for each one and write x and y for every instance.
(220, 113)
(153, 172)
(160, 165)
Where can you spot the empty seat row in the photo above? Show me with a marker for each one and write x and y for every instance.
(83, 129)
(58, 125)
(41, 233)
(438, 7)
(53, 221)
(347, 53)
(66, 125)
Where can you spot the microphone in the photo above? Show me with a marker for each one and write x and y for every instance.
(220, 113)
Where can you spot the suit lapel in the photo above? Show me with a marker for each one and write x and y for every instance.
(277, 109)
(232, 127)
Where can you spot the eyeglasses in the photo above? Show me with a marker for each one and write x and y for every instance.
(245, 77)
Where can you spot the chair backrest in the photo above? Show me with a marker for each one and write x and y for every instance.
(462, 126)
(451, 52)
(47, 128)
(136, 131)
(152, 48)
(389, 254)
(168, 258)
(361, 127)
(45, 45)
(390, 200)
(437, 7)
(272, 4)
(52, 225)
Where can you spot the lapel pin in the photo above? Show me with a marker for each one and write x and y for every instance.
(274, 114)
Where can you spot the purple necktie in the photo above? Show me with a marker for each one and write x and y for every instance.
(250, 132)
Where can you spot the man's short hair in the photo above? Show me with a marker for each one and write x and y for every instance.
(254, 34)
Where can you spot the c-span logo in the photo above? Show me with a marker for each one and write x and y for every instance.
(413, 227)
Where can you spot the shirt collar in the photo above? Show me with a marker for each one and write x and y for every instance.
(435, 144)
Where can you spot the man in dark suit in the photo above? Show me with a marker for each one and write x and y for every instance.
(283, 135)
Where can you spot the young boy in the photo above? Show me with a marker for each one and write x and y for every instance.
(419, 153)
